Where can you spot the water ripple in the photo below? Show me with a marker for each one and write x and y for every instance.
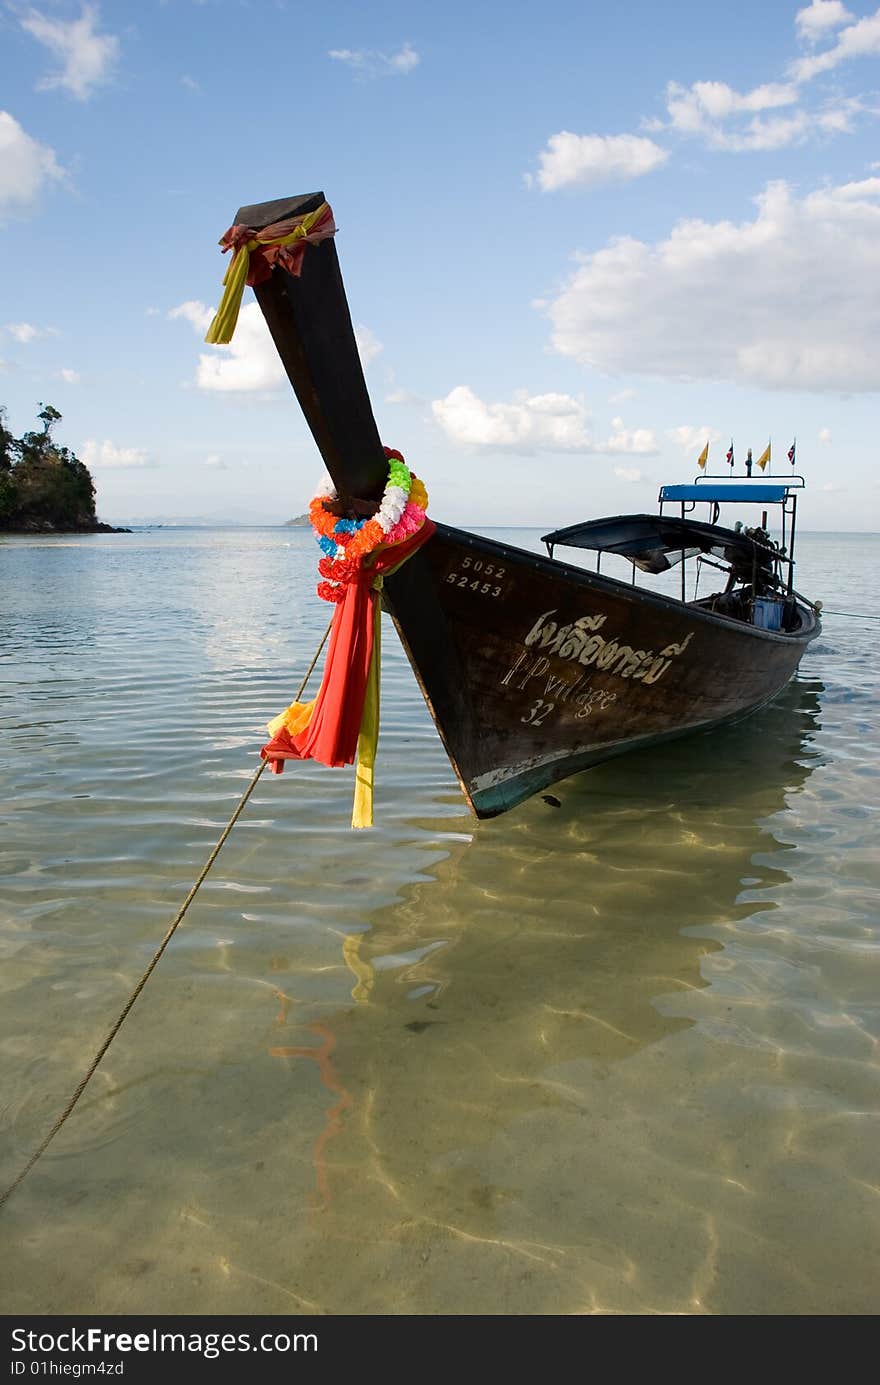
(619, 1056)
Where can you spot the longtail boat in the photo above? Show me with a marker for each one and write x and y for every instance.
(534, 668)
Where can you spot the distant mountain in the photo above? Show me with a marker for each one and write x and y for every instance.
(244, 520)
(194, 522)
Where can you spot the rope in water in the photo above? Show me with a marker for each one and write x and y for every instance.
(41, 1149)
(853, 615)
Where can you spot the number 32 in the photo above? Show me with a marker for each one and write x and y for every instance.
(537, 713)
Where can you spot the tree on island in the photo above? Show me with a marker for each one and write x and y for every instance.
(43, 485)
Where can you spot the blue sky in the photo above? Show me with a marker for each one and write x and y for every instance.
(578, 240)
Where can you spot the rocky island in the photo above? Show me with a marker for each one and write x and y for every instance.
(45, 488)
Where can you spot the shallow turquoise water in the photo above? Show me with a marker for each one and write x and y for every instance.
(619, 1056)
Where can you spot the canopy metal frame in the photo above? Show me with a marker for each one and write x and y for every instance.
(744, 491)
(611, 535)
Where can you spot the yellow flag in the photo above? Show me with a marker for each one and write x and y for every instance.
(703, 457)
(764, 457)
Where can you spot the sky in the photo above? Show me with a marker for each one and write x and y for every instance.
(579, 240)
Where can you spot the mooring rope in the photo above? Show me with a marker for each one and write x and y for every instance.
(852, 615)
(38, 1153)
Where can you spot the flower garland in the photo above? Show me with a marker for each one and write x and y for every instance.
(347, 543)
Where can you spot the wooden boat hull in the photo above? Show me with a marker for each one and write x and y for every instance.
(534, 670)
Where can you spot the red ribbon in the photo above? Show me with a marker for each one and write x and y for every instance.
(331, 736)
(263, 258)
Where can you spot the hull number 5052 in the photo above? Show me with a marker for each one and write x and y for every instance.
(480, 576)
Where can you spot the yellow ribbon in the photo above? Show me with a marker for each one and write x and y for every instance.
(363, 972)
(222, 328)
(368, 739)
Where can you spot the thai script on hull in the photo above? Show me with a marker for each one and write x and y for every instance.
(580, 642)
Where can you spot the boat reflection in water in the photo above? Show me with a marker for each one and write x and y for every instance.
(547, 1065)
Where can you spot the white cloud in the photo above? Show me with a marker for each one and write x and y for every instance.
(858, 40)
(532, 423)
(26, 167)
(87, 57)
(692, 440)
(70, 377)
(788, 300)
(701, 108)
(215, 463)
(640, 441)
(726, 119)
(197, 314)
(631, 474)
(825, 435)
(837, 116)
(588, 160)
(249, 364)
(814, 22)
(23, 331)
(857, 191)
(775, 133)
(622, 396)
(370, 63)
(26, 332)
(107, 454)
(367, 344)
(690, 108)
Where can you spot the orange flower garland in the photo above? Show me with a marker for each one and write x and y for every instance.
(347, 543)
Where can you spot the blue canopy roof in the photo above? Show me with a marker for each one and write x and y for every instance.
(761, 495)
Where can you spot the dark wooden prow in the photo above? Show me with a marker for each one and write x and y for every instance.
(311, 327)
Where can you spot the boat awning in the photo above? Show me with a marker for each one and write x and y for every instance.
(656, 542)
(759, 495)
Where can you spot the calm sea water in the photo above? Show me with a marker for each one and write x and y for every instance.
(619, 1056)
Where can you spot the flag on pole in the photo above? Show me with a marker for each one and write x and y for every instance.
(764, 457)
(791, 452)
(703, 458)
(729, 458)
